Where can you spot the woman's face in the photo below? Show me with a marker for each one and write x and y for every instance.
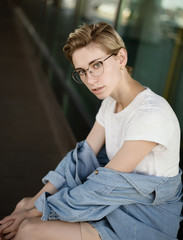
(105, 84)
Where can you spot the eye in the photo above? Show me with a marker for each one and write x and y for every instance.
(97, 65)
(80, 72)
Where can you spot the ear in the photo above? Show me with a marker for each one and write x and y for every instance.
(122, 57)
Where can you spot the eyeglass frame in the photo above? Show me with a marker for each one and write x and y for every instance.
(89, 67)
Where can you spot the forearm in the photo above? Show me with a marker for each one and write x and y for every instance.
(47, 188)
(28, 203)
(33, 213)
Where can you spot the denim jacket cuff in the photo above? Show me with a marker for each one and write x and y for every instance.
(55, 178)
(42, 206)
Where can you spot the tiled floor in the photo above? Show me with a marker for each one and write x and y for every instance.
(34, 134)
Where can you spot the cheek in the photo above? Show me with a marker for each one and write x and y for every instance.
(111, 75)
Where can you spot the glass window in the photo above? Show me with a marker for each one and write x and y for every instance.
(153, 33)
(100, 10)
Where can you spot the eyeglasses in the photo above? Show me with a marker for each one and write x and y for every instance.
(95, 68)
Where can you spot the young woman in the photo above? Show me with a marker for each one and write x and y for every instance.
(134, 192)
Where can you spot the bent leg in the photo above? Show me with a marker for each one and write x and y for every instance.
(35, 229)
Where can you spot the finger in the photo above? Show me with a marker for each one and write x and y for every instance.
(6, 219)
(6, 225)
(12, 228)
(2, 220)
(10, 236)
(8, 230)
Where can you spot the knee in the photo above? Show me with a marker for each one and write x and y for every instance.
(25, 231)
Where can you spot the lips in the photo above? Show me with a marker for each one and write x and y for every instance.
(97, 90)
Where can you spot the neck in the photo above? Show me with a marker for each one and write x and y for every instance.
(126, 92)
(119, 107)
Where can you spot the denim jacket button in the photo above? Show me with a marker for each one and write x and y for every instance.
(96, 172)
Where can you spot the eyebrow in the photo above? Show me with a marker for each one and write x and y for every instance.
(89, 63)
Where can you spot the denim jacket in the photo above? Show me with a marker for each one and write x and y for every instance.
(119, 205)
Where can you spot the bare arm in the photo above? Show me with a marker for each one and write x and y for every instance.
(96, 137)
(28, 203)
(130, 155)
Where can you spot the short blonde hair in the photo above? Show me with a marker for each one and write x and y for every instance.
(101, 33)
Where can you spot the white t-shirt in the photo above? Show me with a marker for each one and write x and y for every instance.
(148, 117)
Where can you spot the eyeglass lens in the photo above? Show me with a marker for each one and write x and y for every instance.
(95, 69)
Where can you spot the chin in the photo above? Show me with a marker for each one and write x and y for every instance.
(102, 96)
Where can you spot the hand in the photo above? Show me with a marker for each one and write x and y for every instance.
(1, 237)
(6, 225)
(24, 204)
(10, 224)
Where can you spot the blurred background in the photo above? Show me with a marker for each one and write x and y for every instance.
(153, 34)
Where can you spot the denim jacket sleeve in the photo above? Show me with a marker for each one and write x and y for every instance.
(74, 168)
(103, 191)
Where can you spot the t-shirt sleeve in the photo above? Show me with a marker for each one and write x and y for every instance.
(153, 125)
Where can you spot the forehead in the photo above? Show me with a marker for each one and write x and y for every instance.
(83, 56)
